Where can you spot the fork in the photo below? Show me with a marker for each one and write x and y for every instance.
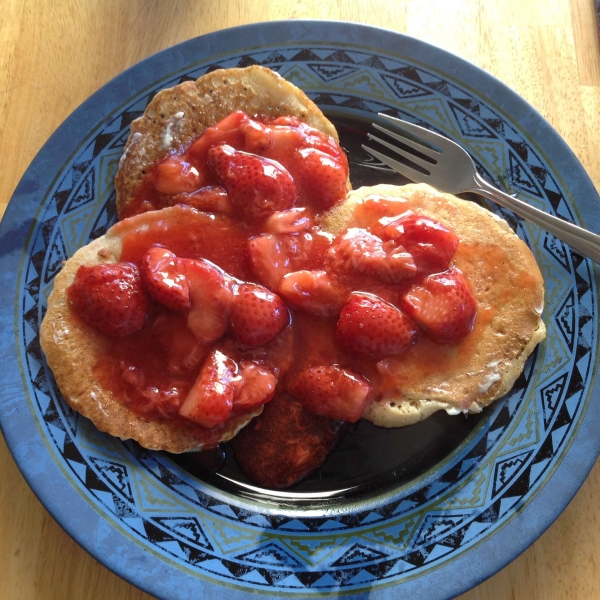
(449, 168)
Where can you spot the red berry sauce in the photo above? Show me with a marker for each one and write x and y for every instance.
(154, 368)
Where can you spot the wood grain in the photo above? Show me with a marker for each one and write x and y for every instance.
(55, 53)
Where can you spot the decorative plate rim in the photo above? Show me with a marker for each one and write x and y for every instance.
(21, 432)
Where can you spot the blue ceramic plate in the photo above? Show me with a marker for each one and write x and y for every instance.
(432, 524)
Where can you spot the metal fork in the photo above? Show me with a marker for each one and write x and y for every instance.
(450, 169)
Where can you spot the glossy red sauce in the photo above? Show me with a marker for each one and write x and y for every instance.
(148, 365)
(308, 341)
(278, 138)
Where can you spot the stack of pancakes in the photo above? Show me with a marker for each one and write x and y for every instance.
(505, 280)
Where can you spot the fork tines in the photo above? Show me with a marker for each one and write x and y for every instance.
(420, 156)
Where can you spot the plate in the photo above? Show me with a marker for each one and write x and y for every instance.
(433, 529)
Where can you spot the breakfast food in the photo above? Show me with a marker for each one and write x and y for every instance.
(242, 276)
(131, 328)
(135, 388)
(253, 110)
(284, 444)
(482, 364)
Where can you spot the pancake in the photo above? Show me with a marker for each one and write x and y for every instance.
(178, 115)
(72, 348)
(508, 288)
(462, 377)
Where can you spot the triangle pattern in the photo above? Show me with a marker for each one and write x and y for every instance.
(331, 72)
(57, 254)
(403, 88)
(536, 470)
(331, 524)
(291, 581)
(435, 526)
(506, 470)
(520, 177)
(84, 192)
(558, 435)
(557, 250)
(359, 554)
(187, 527)
(254, 577)
(438, 551)
(550, 397)
(362, 576)
(271, 554)
(565, 318)
(116, 475)
(468, 125)
(325, 581)
(294, 525)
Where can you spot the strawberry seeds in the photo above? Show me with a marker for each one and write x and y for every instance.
(213, 313)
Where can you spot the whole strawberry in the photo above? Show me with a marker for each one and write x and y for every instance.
(331, 391)
(110, 297)
(443, 305)
(373, 327)
(257, 315)
(257, 186)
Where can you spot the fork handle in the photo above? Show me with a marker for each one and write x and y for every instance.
(581, 240)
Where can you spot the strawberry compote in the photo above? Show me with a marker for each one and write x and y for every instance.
(248, 297)
(293, 162)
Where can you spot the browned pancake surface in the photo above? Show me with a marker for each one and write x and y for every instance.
(72, 348)
(177, 116)
(508, 287)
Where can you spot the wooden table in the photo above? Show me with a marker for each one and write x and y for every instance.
(55, 53)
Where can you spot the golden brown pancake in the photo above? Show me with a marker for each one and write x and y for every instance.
(507, 285)
(72, 348)
(172, 120)
(177, 116)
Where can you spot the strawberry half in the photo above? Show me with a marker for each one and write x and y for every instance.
(110, 297)
(226, 131)
(274, 255)
(373, 327)
(258, 386)
(271, 257)
(176, 176)
(362, 252)
(211, 299)
(331, 391)
(164, 275)
(257, 315)
(293, 220)
(210, 401)
(321, 178)
(314, 292)
(443, 305)
(431, 244)
(210, 198)
(183, 351)
(258, 137)
(257, 186)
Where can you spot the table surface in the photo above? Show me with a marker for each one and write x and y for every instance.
(55, 53)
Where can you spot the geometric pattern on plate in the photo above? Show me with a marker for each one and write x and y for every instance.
(417, 528)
